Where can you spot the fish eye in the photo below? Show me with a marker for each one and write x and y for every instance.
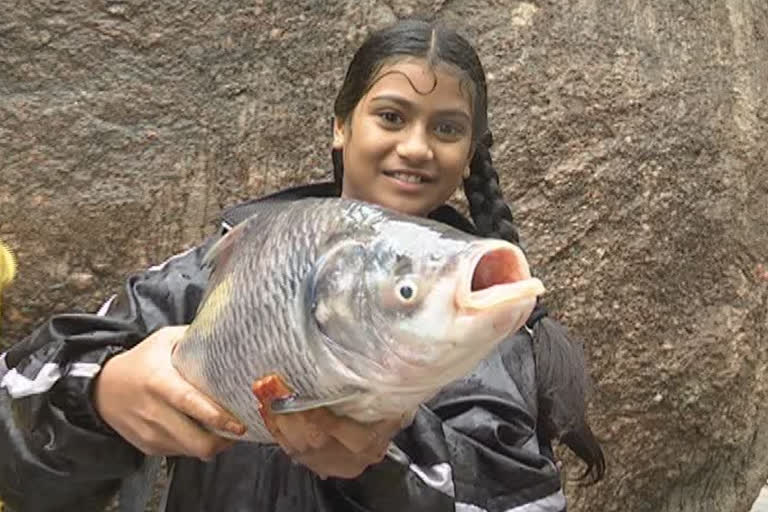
(406, 291)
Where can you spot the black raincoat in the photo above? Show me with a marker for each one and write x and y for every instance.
(473, 448)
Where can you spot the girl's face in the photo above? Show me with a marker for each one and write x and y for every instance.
(409, 140)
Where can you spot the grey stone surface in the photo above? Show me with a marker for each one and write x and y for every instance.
(630, 139)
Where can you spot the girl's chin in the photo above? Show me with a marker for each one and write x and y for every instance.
(409, 205)
(394, 198)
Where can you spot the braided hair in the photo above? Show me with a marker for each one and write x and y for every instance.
(561, 380)
(490, 213)
(561, 377)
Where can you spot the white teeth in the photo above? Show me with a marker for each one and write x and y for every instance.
(408, 178)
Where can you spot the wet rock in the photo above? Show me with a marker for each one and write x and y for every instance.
(630, 138)
(81, 281)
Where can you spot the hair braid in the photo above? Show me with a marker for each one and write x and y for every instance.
(561, 376)
(491, 214)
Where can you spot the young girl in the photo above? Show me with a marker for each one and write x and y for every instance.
(85, 397)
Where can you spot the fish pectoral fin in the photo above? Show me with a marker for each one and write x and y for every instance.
(276, 397)
(296, 403)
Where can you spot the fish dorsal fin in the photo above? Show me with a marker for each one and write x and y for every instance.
(220, 253)
(219, 260)
(221, 250)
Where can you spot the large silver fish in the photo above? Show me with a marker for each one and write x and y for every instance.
(350, 306)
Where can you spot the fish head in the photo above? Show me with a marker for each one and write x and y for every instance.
(418, 306)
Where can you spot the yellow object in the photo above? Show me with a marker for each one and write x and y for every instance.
(7, 266)
(7, 273)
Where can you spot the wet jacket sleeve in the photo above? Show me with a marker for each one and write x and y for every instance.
(473, 448)
(55, 452)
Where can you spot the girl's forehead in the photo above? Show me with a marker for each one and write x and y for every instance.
(415, 78)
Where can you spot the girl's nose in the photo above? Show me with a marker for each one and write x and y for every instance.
(415, 145)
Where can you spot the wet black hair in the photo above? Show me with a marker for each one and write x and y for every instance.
(561, 376)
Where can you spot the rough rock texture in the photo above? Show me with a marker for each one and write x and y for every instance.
(630, 137)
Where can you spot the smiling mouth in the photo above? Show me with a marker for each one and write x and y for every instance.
(407, 177)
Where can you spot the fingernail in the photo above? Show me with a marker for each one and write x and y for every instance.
(235, 427)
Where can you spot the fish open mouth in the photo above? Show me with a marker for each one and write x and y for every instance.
(495, 273)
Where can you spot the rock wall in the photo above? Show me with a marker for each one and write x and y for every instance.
(630, 138)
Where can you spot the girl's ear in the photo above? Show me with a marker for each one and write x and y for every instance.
(338, 133)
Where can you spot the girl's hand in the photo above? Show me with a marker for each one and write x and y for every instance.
(144, 399)
(330, 445)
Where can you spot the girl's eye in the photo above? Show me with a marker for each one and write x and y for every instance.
(391, 118)
(406, 291)
(449, 130)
